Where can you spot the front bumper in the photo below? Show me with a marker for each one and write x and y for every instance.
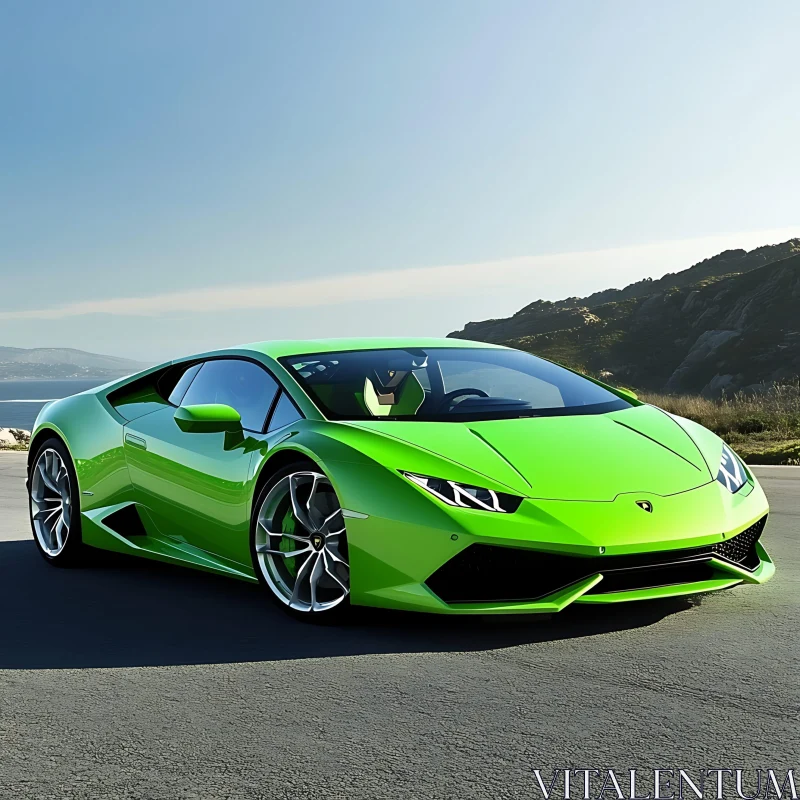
(551, 553)
(490, 574)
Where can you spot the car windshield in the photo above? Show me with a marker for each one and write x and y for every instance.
(445, 384)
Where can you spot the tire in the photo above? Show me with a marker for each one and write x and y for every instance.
(297, 512)
(54, 505)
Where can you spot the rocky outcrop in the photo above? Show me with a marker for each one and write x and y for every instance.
(14, 437)
(701, 352)
(721, 332)
(728, 262)
(539, 317)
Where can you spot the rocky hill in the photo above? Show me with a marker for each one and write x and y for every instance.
(729, 322)
(61, 362)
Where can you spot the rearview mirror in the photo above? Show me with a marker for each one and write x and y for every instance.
(208, 418)
(631, 395)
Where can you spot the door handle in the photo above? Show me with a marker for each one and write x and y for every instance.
(135, 441)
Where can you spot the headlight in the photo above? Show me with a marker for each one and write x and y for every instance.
(463, 496)
(732, 473)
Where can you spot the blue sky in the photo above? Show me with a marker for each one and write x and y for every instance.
(176, 176)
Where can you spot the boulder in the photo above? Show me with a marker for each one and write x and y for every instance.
(702, 350)
(11, 437)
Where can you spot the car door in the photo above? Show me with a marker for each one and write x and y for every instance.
(195, 485)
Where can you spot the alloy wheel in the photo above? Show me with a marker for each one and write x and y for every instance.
(300, 543)
(51, 502)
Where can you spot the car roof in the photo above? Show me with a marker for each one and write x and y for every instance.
(298, 347)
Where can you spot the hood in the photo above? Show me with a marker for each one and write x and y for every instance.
(581, 457)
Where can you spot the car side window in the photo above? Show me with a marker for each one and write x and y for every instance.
(285, 413)
(243, 385)
(176, 395)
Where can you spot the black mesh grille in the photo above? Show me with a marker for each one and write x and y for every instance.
(485, 573)
(741, 548)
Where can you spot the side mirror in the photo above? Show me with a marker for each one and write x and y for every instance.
(209, 418)
(630, 395)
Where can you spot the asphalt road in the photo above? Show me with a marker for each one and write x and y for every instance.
(133, 680)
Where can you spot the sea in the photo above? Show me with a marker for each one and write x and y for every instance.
(22, 400)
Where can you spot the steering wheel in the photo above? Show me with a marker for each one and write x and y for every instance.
(447, 401)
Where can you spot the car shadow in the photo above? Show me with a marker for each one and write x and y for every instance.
(125, 612)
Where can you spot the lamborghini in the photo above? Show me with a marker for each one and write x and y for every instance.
(435, 475)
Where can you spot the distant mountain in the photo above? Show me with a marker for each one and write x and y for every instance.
(62, 362)
(729, 322)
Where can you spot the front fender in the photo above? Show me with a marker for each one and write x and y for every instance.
(94, 440)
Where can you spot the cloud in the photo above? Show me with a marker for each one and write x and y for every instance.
(540, 276)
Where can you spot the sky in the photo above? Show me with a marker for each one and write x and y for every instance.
(177, 176)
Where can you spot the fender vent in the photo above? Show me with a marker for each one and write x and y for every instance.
(126, 522)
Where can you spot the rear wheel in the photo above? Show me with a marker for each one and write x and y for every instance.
(54, 504)
(299, 543)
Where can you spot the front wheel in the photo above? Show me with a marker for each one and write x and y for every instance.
(299, 542)
(54, 504)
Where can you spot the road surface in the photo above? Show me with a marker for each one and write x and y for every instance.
(127, 679)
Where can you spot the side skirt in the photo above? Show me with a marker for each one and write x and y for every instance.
(153, 545)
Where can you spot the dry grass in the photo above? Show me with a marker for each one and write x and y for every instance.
(764, 428)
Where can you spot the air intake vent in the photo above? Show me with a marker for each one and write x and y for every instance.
(652, 577)
(486, 573)
(126, 522)
(741, 548)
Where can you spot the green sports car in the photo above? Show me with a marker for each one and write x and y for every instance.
(422, 474)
